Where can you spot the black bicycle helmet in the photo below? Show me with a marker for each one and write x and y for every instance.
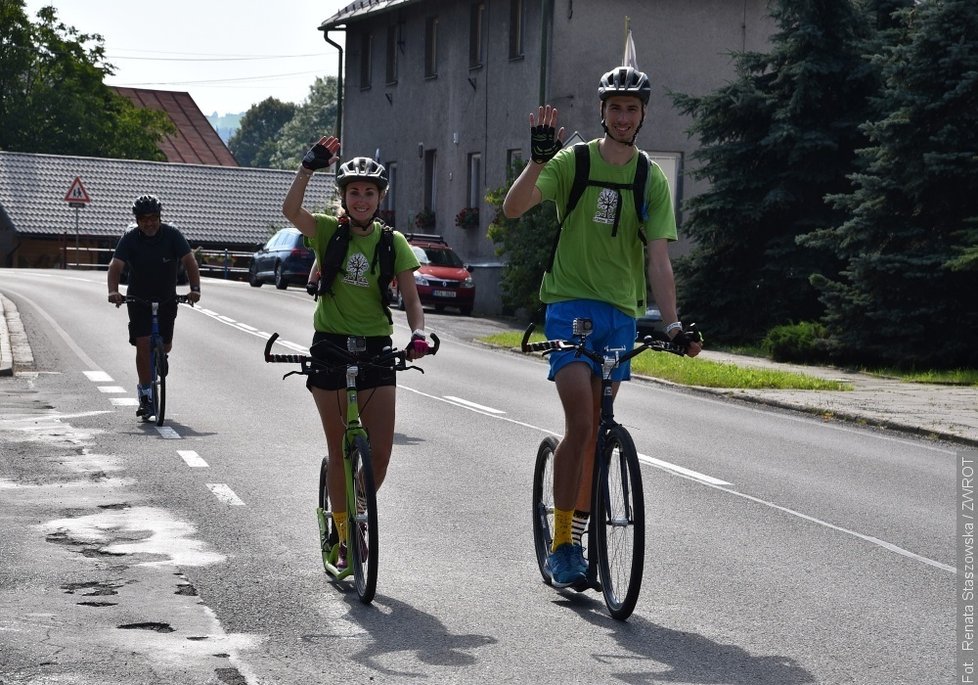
(361, 169)
(147, 204)
(625, 81)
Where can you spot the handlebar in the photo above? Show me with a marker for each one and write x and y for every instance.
(179, 299)
(548, 346)
(307, 362)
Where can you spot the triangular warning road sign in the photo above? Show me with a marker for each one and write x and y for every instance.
(77, 192)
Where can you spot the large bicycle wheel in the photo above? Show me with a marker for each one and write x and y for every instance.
(543, 505)
(159, 382)
(620, 521)
(327, 531)
(363, 523)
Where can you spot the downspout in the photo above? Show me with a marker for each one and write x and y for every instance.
(546, 34)
(339, 82)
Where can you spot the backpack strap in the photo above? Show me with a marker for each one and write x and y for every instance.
(384, 256)
(333, 255)
(582, 169)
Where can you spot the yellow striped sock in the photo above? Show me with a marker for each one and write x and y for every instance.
(563, 520)
(339, 519)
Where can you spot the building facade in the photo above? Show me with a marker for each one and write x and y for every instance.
(440, 91)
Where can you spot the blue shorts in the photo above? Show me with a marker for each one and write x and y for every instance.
(612, 329)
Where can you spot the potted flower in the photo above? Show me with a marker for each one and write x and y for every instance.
(468, 217)
(424, 219)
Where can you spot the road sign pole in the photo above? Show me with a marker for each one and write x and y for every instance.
(76, 237)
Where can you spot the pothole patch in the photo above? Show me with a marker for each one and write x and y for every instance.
(154, 626)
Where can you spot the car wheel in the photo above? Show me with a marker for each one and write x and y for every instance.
(253, 279)
(280, 281)
(466, 311)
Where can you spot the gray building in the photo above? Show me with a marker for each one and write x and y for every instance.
(440, 91)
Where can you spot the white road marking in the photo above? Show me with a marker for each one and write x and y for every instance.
(472, 405)
(681, 470)
(168, 433)
(111, 388)
(193, 459)
(124, 401)
(868, 538)
(225, 494)
(718, 484)
(98, 376)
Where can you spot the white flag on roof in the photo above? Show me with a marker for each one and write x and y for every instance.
(630, 59)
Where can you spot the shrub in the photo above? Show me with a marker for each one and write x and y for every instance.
(805, 342)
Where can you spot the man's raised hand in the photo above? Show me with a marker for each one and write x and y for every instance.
(545, 139)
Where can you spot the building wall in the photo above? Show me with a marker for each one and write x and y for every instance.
(684, 45)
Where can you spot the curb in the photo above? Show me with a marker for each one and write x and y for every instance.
(6, 353)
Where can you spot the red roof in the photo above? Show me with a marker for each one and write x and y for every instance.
(196, 141)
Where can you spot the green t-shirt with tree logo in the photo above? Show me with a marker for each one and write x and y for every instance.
(355, 307)
(591, 263)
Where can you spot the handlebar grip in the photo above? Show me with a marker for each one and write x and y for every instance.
(545, 346)
(526, 337)
(437, 343)
(287, 358)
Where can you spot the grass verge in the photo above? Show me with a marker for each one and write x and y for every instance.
(686, 371)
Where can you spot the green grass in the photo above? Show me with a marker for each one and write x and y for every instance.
(939, 377)
(687, 371)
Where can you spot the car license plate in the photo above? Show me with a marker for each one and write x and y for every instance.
(443, 293)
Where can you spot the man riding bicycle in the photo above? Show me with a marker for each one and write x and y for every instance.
(152, 251)
(597, 272)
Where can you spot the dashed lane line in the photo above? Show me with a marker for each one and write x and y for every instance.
(225, 494)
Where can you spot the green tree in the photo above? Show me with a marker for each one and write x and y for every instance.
(775, 141)
(907, 293)
(52, 95)
(315, 117)
(253, 144)
(526, 242)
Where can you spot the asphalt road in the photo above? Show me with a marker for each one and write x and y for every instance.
(781, 549)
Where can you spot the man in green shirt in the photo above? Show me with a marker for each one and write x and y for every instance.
(598, 272)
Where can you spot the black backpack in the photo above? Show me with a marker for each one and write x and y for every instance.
(335, 253)
(582, 179)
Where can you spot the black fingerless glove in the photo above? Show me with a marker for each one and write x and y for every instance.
(543, 143)
(683, 339)
(318, 157)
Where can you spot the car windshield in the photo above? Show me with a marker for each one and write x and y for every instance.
(442, 256)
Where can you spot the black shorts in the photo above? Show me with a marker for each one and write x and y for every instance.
(141, 320)
(335, 378)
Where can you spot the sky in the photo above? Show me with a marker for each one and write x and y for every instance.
(227, 55)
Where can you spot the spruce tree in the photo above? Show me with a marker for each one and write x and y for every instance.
(907, 293)
(774, 142)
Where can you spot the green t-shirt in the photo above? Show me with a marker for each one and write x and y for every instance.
(355, 307)
(590, 263)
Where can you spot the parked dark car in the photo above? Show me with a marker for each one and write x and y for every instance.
(442, 280)
(284, 260)
(651, 323)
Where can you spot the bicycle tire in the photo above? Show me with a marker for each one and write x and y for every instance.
(619, 518)
(543, 505)
(159, 383)
(327, 531)
(363, 525)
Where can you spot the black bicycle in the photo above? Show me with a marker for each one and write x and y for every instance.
(616, 528)
(361, 495)
(159, 365)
